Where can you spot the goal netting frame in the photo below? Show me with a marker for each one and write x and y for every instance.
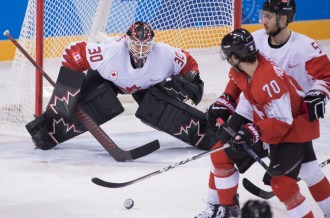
(196, 26)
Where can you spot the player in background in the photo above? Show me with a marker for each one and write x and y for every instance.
(304, 60)
(272, 100)
(301, 58)
(159, 77)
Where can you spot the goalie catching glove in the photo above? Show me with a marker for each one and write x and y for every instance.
(314, 105)
(249, 134)
(222, 108)
(184, 87)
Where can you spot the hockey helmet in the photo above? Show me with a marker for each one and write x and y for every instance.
(281, 7)
(139, 41)
(239, 42)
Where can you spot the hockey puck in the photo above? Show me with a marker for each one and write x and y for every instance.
(129, 203)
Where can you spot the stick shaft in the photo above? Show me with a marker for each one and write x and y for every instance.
(16, 43)
(107, 143)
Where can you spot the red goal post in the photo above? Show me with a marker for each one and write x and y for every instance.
(49, 26)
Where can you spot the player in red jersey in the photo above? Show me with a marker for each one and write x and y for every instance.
(274, 100)
(304, 60)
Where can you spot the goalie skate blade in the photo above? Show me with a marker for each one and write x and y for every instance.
(248, 185)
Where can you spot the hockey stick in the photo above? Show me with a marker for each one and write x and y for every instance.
(106, 184)
(252, 188)
(117, 153)
(249, 150)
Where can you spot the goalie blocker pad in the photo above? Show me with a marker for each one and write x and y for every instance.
(176, 118)
(49, 129)
(66, 92)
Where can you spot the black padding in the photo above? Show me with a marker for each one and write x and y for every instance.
(66, 92)
(39, 129)
(94, 79)
(176, 118)
(102, 103)
(188, 86)
(49, 129)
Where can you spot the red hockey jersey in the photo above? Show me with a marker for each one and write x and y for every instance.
(274, 100)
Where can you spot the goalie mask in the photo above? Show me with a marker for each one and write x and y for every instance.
(240, 43)
(139, 41)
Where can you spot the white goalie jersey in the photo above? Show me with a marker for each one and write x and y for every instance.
(112, 60)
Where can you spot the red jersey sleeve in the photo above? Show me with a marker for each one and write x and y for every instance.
(232, 89)
(319, 69)
(190, 65)
(74, 57)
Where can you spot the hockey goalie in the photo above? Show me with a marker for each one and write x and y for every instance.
(159, 77)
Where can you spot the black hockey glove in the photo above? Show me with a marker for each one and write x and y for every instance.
(248, 134)
(184, 87)
(314, 105)
(222, 108)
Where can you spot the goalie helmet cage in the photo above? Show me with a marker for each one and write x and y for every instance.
(49, 26)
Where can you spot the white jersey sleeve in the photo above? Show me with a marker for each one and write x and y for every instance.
(244, 108)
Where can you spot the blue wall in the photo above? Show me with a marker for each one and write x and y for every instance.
(12, 13)
(306, 10)
(11, 16)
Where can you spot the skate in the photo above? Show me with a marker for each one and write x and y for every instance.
(219, 211)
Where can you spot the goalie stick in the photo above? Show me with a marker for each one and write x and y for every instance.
(117, 153)
(106, 184)
(253, 189)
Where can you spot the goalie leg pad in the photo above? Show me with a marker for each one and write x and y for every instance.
(66, 92)
(176, 118)
(102, 103)
(50, 129)
(38, 129)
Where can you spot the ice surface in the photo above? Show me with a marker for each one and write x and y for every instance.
(56, 183)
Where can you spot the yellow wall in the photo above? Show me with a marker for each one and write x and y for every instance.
(7, 50)
(316, 29)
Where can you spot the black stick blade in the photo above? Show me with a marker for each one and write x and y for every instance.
(106, 184)
(145, 149)
(256, 190)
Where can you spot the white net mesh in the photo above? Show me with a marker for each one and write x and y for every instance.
(196, 26)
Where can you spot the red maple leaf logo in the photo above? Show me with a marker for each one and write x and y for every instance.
(132, 89)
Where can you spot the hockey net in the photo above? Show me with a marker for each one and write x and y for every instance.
(196, 26)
